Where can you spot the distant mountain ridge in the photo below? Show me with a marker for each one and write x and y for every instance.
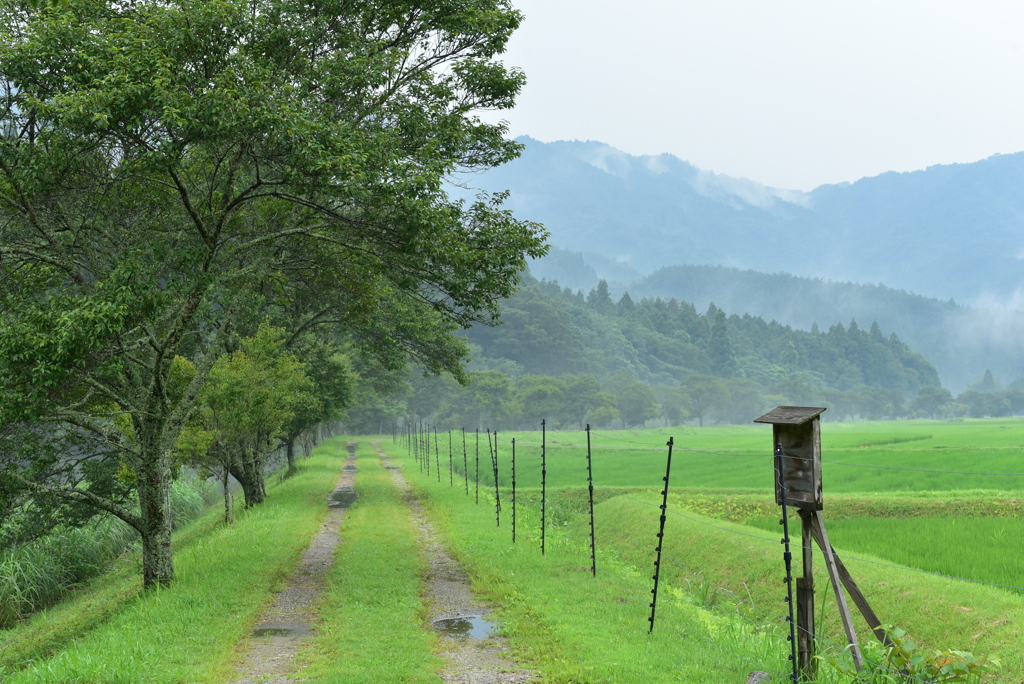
(947, 231)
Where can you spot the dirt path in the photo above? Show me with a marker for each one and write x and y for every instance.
(285, 625)
(470, 660)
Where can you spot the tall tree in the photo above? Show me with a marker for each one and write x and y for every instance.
(706, 394)
(159, 159)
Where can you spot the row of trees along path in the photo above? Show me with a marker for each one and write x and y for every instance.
(167, 182)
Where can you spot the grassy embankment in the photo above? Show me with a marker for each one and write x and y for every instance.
(111, 631)
(921, 513)
(40, 573)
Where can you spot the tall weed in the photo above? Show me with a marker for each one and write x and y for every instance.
(39, 573)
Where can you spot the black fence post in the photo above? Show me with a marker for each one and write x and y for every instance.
(543, 484)
(513, 490)
(497, 496)
(661, 534)
(465, 460)
(437, 455)
(787, 557)
(590, 486)
(451, 469)
(478, 466)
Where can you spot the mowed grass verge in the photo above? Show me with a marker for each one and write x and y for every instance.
(373, 624)
(187, 632)
(568, 626)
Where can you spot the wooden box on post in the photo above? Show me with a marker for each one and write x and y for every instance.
(797, 429)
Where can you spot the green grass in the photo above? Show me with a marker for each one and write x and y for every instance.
(189, 631)
(570, 627)
(373, 625)
(40, 573)
(949, 523)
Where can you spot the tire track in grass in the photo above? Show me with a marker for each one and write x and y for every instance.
(289, 622)
(470, 660)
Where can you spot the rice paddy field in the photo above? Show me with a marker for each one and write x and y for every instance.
(945, 497)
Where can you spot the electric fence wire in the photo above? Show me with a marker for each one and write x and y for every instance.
(697, 576)
(818, 637)
(671, 621)
(726, 452)
(844, 557)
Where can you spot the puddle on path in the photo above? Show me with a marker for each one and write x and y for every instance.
(271, 631)
(342, 498)
(471, 626)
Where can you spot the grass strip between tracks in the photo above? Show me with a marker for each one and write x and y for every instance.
(373, 623)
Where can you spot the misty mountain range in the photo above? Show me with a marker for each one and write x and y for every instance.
(947, 231)
(659, 227)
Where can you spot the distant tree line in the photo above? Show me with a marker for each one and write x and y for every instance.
(985, 398)
(573, 358)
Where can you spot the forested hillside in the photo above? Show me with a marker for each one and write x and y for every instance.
(567, 357)
(962, 341)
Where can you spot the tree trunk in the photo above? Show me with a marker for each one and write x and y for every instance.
(227, 499)
(290, 450)
(250, 476)
(153, 486)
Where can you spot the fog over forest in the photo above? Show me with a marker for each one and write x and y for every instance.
(932, 255)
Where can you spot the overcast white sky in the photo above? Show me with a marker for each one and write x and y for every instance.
(788, 93)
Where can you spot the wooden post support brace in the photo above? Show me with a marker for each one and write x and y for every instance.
(833, 572)
(855, 593)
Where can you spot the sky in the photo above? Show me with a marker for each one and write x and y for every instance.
(792, 94)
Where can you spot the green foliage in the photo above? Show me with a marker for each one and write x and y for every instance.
(930, 400)
(189, 631)
(166, 163)
(254, 392)
(901, 661)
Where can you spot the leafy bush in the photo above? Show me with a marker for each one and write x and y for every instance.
(902, 661)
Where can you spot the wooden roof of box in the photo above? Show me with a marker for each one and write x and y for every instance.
(790, 415)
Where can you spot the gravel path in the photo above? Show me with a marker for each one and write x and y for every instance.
(470, 660)
(285, 625)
